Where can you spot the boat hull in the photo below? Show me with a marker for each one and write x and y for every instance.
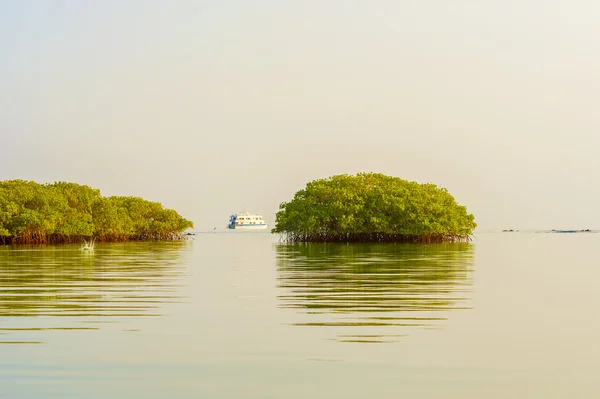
(249, 227)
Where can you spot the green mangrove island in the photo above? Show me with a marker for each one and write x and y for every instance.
(61, 212)
(372, 207)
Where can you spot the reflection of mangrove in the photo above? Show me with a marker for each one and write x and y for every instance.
(118, 280)
(371, 290)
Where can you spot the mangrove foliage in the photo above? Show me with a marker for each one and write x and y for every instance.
(372, 207)
(61, 212)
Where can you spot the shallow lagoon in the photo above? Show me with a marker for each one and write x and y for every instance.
(234, 314)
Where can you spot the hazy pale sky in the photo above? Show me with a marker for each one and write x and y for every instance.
(213, 106)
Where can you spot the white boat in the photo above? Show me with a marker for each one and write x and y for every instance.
(246, 221)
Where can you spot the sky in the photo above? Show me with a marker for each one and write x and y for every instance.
(214, 107)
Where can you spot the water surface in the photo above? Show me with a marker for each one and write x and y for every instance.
(232, 315)
(369, 291)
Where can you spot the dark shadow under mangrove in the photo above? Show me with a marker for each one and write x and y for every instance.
(40, 238)
(375, 237)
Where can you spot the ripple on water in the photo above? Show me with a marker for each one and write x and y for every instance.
(56, 288)
(365, 293)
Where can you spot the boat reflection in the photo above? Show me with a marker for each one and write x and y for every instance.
(372, 292)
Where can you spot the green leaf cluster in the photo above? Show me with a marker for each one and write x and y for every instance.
(67, 212)
(373, 207)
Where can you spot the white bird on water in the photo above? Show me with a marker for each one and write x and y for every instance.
(88, 246)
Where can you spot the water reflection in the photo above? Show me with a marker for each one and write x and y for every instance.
(371, 292)
(82, 291)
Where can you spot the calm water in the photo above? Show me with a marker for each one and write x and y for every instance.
(240, 315)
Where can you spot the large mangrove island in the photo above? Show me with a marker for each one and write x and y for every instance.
(61, 212)
(372, 207)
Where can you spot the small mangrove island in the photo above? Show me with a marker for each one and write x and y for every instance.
(61, 212)
(372, 207)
